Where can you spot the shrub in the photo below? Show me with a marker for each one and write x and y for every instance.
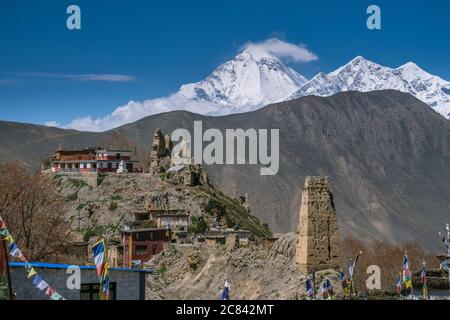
(72, 197)
(112, 206)
(116, 197)
(198, 225)
(81, 206)
(215, 208)
(161, 270)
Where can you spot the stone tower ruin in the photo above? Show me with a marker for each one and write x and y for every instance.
(318, 244)
(160, 151)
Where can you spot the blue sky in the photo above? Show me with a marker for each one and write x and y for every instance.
(50, 73)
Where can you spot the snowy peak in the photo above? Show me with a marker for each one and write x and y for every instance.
(256, 53)
(252, 79)
(363, 75)
(357, 64)
(411, 71)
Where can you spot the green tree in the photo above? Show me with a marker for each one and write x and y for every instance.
(198, 225)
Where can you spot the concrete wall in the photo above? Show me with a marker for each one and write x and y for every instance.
(130, 285)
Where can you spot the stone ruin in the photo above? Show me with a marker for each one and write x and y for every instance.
(318, 244)
(160, 152)
(161, 161)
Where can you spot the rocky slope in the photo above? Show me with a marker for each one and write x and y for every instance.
(103, 210)
(263, 271)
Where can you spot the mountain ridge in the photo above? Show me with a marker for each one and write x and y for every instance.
(363, 75)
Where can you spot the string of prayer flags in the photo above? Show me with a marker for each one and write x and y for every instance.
(15, 252)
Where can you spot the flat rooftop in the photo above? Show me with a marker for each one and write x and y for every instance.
(46, 265)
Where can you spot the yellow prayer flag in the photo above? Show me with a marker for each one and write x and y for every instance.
(408, 284)
(9, 239)
(31, 273)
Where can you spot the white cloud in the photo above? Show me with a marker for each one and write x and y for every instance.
(52, 124)
(283, 49)
(107, 77)
(134, 111)
(5, 82)
(101, 77)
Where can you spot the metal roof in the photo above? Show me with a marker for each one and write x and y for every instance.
(47, 265)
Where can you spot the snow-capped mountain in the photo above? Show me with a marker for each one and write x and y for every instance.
(363, 75)
(251, 79)
(255, 78)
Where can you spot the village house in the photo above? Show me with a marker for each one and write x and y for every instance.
(176, 220)
(92, 160)
(144, 244)
(215, 240)
(230, 233)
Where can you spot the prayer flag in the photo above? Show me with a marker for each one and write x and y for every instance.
(31, 273)
(309, 286)
(56, 296)
(407, 279)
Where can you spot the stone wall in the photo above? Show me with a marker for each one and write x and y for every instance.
(318, 244)
(91, 178)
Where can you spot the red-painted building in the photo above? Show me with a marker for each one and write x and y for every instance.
(93, 160)
(144, 244)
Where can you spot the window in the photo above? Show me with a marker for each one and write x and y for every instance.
(109, 165)
(141, 250)
(90, 291)
(117, 155)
